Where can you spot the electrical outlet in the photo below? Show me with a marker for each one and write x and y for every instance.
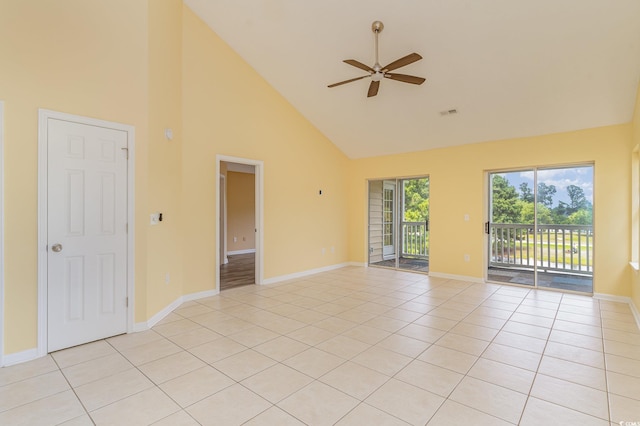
(467, 258)
(155, 218)
(167, 278)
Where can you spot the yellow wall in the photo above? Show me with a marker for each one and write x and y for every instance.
(229, 109)
(241, 209)
(457, 179)
(85, 57)
(635, 142)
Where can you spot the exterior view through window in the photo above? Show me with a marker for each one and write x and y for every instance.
(399, 223)
(541, 227)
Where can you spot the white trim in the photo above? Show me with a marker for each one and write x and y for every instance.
(223, 214)
(20, 357)
(1, 233)
(635, 266)
(247, 251)
(43, 118)
(457, 277)
(259, 206)
(620, 299)
(360, 264)
(145, 325)
(306, 273)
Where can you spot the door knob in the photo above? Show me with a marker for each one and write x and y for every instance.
(56, 248)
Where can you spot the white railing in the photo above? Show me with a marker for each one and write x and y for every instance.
(564, 248)
(415, 240)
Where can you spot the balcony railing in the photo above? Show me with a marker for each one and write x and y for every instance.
(415, 240)
(564, 248)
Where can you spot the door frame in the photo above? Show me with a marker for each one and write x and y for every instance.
(43, 126)
(259, 215)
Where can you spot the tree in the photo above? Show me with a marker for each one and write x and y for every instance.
(581, 217)
(545, 194)
(526, 194)
(416, 200)
(505, 201)
(528, 213)
(578, 200)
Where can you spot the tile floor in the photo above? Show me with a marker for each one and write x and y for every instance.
(355, 346)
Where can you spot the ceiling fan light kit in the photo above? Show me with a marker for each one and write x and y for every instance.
(378, 72)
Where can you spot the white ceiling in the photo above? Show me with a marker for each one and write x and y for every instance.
(511, 68)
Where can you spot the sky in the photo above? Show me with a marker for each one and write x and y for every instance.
(559, 177)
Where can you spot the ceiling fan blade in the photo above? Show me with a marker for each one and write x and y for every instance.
(409, 59)
(405, 78)
(373, 88)
(357, 64)
(348, 81)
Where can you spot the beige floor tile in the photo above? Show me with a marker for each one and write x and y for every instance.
(281, 348)
(125, 341)
(53, 409)
(243, 365)
(369, 335)
(593, 320)
(218, 349)
(571, 395)
(438, 323)
(492, 312)
(314, 362)
(195, 337)
(624, 385)
(514, 378)
(364, 414)
(83, 420)
(539, 412)
(142, 408)
(464, 344)
(623, 409)
(196, 385)
(537, 311)
(229, 326)
(357, 316)
(575, 354)
(113, 388)
(386, 323)
(527, 329)
(95, 369)
(420, 332)
(574, 327)
(448, 358)
(484, 321)
(253, 336)
(573, 372)
(382, 360)
(176, 327)
(318, 404)
(520, 341)
(621, 336)
(453, 414)
(311, 335)
(277, 382)
(629, 327)
(151, 351)
(404, 345)
(406, 402)
(355, 380)
(309, 316)
(430, 377)
(574, 339)
(335, 325)
(171, 317)
(512, 356)
(623, 365)
(68, 357)
(179, 418)
(450, 314)
(170, 367)
(193, 310)
(231, 406)
(489, 398)
(26, 370)
(405, 315)
(343, 346)
(622, 349)
(31, 389)
(273, 416)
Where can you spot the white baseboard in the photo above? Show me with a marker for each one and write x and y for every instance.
(247, 251)
(306, 273)
(362, 264)
(142, 326)
(19, 357)
(635, 313)
(456, 277)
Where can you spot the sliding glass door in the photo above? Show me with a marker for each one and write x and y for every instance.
(399, 223)
(541, 227)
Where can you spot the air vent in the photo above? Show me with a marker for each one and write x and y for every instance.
(449, 112)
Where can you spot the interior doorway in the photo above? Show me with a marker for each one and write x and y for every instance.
(399, 223)
(239, 221)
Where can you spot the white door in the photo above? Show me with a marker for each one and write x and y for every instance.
(87, 233)
(388, 220)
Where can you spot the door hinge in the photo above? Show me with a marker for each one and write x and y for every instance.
(126, 227)
(486, 227)
(126, 302)
(126, 152)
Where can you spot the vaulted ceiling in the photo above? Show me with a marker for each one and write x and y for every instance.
(509, 68)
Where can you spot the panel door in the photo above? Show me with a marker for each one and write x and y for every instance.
(87, 233)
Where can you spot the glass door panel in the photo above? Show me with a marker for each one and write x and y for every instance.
(511, 227)
(414, 227)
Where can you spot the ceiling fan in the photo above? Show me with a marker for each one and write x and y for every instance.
(377, 72)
